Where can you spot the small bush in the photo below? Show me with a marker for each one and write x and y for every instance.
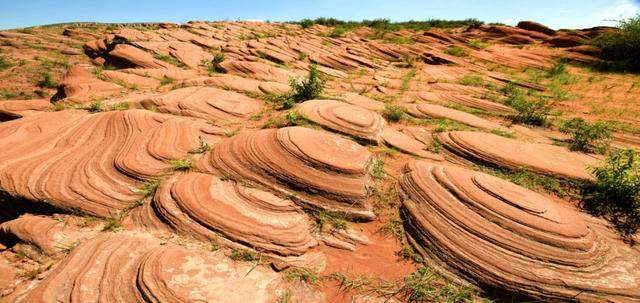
(472, 80)
(325, 219)
(588, 137)
(169, 59)
(310, 88)
(616, 191)
(306, 23)
(213, 66)
(393, 112)
(423, 285)
(337, 32)
(532, 110)
(557, 70)
(377, 169)
(478, 44)
(244, 255)
(4, 63)
(622, 47)
(46, 81)
(95, 106)
(301, 274)
(456, 51)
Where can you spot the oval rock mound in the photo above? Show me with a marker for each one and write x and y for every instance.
(492, 233)
(314, 167)
(514, 154)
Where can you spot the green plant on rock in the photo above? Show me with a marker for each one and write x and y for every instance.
(213, 66)
(4, 63)
(377, 169)
(181, 164)
(587, 137)
(310, 88)
(532, 110)
(456, 51)
(393, 112)
(324, 219)
(615, 194)
(472, 80)
(46, 81)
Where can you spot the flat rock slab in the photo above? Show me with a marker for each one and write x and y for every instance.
(437, 111)
(514, 154)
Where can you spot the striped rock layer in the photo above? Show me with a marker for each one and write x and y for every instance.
(313, 167)
(130, 268)
(93, 162)
(206, 207)
(492, 233)
(514, 154)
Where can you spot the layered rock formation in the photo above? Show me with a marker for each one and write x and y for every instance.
(314, 167)
(437, 111)
(513, 154)
(93, 162)
(204, 102)
(203, 206)
(486, 231)
(131, 268)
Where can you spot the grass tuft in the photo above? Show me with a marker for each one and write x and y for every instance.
(393, 112)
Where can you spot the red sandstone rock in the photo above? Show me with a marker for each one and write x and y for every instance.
(203, 206)
(344, 118)
(536, 27)
(129, 56)
(437, 111)
(564, 41)
(79, 85)
(204, 102)
(522, 241)
(93, 162)
(511, 153)
(314, 167)
(13, 109)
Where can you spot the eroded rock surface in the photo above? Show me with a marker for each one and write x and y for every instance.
(489, 232)
(514, 154)
(93, 162)
(321, 169)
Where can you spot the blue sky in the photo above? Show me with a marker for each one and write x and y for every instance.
(555, 13)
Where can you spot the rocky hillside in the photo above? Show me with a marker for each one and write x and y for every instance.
(274, 162)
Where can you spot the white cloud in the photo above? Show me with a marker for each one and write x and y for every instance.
(620, 10)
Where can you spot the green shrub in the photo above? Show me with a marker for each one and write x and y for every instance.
(393, 112)
(616, 191)
(306, 23)
(377, 169)
(310, 88)
(337, 32)
(622, 47)
(4, 63)
(478, 44)
(588, 137)
(46, 81)
(472, 80)
(213, 66)
(532, 110)
(456, 51)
